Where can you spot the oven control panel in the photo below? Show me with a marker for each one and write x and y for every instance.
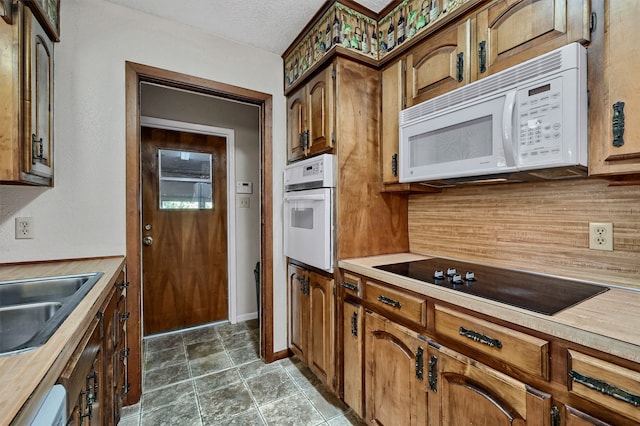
(315, 172)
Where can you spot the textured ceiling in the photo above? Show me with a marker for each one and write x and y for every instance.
(270, 25)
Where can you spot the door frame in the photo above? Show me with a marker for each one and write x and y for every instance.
(229, 135)
(135, 74)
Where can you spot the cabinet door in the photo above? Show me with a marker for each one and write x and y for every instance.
(296, 125)
(439, 64)
(299, 311)
(353, 341)
(574, 417)
(394, 383)
(613, 57)
(392, 102)
(512, 31)
(471, 393)
(38, 99)
(320, 115)
(321, 344)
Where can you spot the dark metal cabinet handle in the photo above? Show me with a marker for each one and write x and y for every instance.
(388, 301)
(555, 416)
(354, 324)
(349, 286)
(606, 388)
(123, 285)
(433, 373)
(460, 67)
(37, 149)
(618, 124)
(482, 56)
(394, 165)
(420, 363)
(474, 335)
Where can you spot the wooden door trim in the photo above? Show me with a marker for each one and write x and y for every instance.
(134, 75)
(229, 135)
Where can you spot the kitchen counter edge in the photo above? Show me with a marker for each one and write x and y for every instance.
(31, 374)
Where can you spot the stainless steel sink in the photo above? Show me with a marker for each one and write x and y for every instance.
(32, 310)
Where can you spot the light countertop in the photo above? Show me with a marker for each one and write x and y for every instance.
(26, 377)
(608, 322)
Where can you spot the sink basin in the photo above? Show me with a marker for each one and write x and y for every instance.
(32, 310)
(19, 323)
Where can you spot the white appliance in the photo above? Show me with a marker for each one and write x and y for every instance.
(53, 411)
(309, 211)
(530, 117)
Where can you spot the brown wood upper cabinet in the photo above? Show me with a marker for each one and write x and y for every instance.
(498, 36)
(310, 116)
(614, 54)
(26, 100)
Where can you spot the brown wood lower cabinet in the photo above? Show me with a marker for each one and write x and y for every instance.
(443, 365)
(394, 374)
(96, 377)
(353, 347)
(312, 321)
(464, 392)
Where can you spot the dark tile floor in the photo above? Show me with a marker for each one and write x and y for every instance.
(213, 376)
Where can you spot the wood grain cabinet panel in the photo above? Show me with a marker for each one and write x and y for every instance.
(512, 31)
(353, 351)
(352, 284)
(312, 320)
(321, 349)
(394, 378)
(310, 117)
(298, 311)
(470, 393)
(26, 100)
(439, 64)
(607, 384)
(410, 306)
(575, 417)
(520, 350)
(614, 128)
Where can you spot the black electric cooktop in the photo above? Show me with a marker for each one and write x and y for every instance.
(543, 294)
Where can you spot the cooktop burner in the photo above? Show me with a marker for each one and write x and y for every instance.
(542, 294)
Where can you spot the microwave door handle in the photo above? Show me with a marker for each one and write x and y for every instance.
(507, 127)
(319, 197)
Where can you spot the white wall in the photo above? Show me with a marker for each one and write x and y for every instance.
(171, 104)
(84, 214)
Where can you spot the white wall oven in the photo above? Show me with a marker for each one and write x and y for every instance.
(309, 211)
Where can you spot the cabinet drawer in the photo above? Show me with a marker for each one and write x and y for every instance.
(352, 284)
(520, 350)
(602, 382)
(411, 307)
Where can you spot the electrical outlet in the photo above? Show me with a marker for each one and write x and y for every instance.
(601, 236)
(24, 228)
(243, 202)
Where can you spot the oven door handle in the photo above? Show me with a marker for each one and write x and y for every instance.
(319, 197)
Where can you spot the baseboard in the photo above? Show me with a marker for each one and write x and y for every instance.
(246, 317)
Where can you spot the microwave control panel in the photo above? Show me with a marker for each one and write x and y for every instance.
(539, 124)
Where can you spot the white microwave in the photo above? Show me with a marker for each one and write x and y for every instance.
(530, 117)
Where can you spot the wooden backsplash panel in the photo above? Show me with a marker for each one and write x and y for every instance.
(542, 227)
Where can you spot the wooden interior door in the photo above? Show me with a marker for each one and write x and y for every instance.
(184, 251)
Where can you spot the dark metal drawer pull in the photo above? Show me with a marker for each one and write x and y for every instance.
(433, 373)
(390, 302)
(420, 363)
(474, 335)
(606, 388)
(349, 286)
(482, 54)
